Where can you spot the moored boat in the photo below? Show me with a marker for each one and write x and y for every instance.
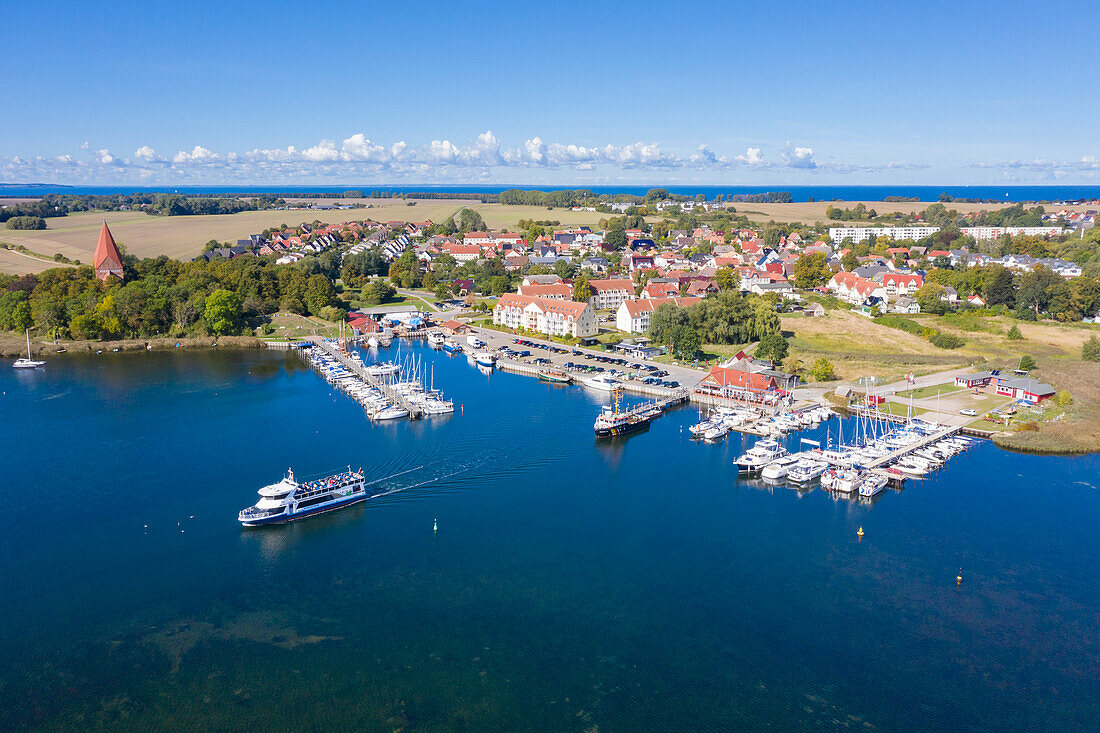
(28, 363)
(555, 376)
(485, 358)
(613, 422)
(760, 455)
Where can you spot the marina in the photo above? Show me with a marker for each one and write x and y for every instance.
(649, 551)
(387, 391)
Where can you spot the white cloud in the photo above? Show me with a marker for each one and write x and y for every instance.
(799, 157)
(752, 156)
(484, 157)
(198, 154)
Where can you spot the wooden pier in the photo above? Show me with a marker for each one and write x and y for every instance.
(361, 372)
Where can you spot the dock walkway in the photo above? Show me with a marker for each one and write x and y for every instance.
(393, 395)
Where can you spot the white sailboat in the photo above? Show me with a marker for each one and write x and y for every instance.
(28, 363)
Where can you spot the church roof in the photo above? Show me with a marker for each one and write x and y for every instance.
(106, 251)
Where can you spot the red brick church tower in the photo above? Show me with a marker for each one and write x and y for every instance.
(107, 260)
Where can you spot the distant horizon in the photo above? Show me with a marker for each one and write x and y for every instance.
(800, 193)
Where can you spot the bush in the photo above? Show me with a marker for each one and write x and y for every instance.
(1027, 363)
(1015, 335)
(1090, 350)
(902, 324)
(947, 341)
(267, 329)
(26, 222)
(1063, 398)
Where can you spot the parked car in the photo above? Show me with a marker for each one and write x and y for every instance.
(969, 412)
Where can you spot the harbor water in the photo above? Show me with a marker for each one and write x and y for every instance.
(573, 584)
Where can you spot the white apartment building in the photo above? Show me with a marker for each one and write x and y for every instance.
(994, 232)
(633, 315)
(859, 234)
(609, 294)
(545, 315)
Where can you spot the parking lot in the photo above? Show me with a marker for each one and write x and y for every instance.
(587, 362)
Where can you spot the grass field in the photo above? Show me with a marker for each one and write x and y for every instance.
(15, 263)
(930, 391)
(859, 347)
(183, 237)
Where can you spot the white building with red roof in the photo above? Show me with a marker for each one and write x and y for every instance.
(545, 315)
(633, 315)
(557, 291)
(610, 293)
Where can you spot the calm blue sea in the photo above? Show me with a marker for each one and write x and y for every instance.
(572, 585)
(798, 193)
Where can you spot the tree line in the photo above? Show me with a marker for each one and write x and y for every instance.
(164, 297)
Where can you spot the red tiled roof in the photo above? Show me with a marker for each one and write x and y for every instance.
(106, 255)
(724, 376)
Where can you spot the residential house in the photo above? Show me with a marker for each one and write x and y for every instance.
(905, 304)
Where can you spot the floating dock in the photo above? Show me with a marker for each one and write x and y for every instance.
(415, 411)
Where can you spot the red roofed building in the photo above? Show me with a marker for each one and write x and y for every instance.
(897, 283)
(557, 291)
(107, 260)
(633, 315)
(660, 290)
(545, 315)
(610, 293)
(731, 383)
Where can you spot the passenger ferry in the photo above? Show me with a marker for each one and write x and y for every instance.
(288, 500)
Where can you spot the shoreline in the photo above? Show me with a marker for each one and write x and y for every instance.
(12, 346)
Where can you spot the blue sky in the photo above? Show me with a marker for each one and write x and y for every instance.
(549, 92)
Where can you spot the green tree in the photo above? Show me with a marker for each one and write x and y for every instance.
(319, 293)
(684, 341)
(849, 261)
(812, 271)
(1090, 350)
(999, 287)
(932, 298)
(582, 291)
(764, 319)
(773, 347)
(822, 370)
(470, 220)
(1015, 335)
(615, 239)
(726, 278)
(1027, 363)
(223, 312)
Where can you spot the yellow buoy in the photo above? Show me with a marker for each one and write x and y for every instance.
(959, 578)
(860, 532)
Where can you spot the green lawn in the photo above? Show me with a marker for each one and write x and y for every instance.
(930, 391)
(901, 410)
